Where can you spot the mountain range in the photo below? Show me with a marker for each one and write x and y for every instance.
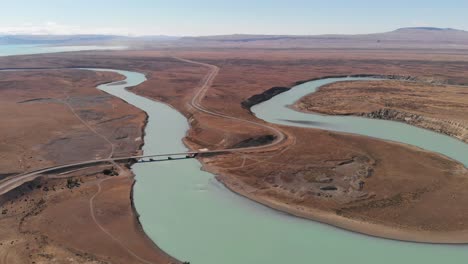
(413, 37)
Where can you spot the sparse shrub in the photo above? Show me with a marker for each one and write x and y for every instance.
(72, 183)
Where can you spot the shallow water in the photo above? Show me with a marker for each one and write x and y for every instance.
(193, 217)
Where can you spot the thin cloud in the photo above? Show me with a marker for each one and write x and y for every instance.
(53, 28)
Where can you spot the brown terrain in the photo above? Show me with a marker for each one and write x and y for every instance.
(358, 183)
(354, 182)
(438, 107)
(59, 117)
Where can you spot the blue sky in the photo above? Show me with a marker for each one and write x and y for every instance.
(210, 17)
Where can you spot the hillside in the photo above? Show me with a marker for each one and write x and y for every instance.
(413, 38)
(419, 37)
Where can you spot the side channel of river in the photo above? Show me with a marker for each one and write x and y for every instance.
(193, 217)
(277, 110)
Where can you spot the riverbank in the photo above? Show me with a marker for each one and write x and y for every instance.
(349, 224)
(340, 215)
(163, 257)
(342, 206)
(335, 215)
(43, 214)
(339, 195)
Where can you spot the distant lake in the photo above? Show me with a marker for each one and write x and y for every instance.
(10, 50)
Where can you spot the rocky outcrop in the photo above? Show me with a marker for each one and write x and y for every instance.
(255, 141)
(447, 127)
(265, 96)
(377, 76)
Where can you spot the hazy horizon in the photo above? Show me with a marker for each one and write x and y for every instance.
(208, 17)
(240, 34)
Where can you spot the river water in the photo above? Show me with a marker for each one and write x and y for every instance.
(193, 217)
(277, 110)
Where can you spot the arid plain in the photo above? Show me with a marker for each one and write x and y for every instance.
(57, 116)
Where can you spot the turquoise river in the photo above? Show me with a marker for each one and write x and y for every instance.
(194, 218)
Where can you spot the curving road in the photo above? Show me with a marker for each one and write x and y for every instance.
(196, 102)
(200, 94)
(15, 181)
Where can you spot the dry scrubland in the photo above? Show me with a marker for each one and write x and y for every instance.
(59, 117)
(358, 183)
